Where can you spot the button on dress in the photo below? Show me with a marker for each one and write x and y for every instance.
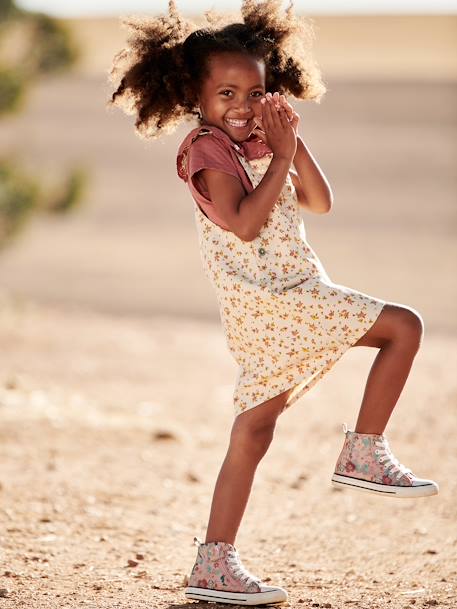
(285, 322)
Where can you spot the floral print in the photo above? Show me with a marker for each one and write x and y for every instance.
(366, 463)
(286, 323)
(368, 457)
(218, 567)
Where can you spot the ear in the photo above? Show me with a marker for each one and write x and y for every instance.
(199, 110)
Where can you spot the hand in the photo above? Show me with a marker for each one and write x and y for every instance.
(275, 128)
(292, 116)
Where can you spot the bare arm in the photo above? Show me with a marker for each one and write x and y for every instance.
(313, 190)
(246, 214)
(298, 188)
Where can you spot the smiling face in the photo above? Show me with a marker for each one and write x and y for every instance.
(230, 94)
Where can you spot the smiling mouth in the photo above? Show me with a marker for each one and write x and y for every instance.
(233, 122)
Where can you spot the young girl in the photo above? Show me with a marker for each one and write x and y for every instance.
(286, 323)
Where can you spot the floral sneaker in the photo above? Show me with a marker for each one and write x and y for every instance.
(366, 463)
(218, 575)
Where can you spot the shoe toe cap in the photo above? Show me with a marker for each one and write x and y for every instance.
(280, 592)
(424, 482)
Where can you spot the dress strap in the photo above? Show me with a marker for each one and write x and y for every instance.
(202, 131)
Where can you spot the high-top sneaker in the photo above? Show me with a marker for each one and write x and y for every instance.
(366, 463)
(219, 575)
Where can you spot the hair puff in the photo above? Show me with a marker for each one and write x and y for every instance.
(158, 74)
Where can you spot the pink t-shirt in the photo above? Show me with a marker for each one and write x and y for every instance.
(215, 150)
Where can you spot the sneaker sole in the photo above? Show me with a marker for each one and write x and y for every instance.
(236, 598)
(425, 490)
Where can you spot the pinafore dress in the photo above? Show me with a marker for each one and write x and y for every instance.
(285, 322)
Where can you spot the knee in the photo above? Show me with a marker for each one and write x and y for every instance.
(253, 439)
(410, 327)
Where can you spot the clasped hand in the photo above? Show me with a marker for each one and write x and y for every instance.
(278, 125)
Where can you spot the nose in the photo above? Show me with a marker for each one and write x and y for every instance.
(243, 105)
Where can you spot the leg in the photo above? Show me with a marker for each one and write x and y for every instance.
(250, 438)
(398, 333)
(366, 462)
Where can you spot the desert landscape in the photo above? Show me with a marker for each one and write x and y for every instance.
(116, 383)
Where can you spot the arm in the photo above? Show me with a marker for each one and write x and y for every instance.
(246, 214)
(313, 190)
(302, 201)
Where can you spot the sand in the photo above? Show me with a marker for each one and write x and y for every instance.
(114, 429)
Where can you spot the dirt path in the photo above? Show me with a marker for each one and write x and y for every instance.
(112, 434)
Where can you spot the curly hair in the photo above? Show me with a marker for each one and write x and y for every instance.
(159, 73)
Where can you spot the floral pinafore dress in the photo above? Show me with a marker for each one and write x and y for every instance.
(285, 322)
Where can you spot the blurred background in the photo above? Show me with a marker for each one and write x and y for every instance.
(116, 384)
(94, 217)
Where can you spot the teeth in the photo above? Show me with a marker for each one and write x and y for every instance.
(235, 123)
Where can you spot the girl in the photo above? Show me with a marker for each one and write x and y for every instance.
(286, 323)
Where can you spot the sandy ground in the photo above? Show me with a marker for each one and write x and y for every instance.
(113, 431)
(116, 384)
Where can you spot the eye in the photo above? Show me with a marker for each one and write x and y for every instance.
(254, 93)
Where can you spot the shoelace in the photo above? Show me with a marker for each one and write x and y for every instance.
(392, 464)
(239, 570)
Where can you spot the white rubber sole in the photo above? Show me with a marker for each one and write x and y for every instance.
(272, 595)
(424, 490)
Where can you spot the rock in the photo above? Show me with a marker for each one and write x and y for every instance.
(420, 531)
(298, 483)
(4, 592)
(11, 383)
(191, 477)
(164, 434)
(139, 556)
(132, 563)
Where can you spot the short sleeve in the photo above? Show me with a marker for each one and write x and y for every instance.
(209, 153)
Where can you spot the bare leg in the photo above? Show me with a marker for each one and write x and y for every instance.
(398, 332)
(250, 438)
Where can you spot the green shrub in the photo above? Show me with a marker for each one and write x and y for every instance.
(70, 193)
(11, 90)
(47, 47)
(19, 195)
(7, 9)
(54, 48)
